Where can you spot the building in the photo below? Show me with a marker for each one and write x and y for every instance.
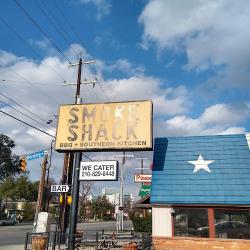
(113, 194)
(201, 189)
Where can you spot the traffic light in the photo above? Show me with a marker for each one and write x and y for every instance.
(61, 199)
(69, 200)
(22, 164)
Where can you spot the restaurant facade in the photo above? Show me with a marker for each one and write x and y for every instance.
(200, 194)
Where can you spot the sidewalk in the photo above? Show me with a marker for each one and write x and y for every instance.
(12, 247)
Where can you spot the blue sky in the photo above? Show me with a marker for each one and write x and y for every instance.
(190, 57)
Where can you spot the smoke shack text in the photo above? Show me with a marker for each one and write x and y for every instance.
(104, 126)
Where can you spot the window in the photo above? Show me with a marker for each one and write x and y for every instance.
(232, 224)
(191, 222)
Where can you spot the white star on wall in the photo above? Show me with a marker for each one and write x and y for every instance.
(201, 164)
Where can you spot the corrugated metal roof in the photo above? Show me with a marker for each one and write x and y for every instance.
(201, 170)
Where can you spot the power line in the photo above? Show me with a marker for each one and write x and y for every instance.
(77, 36)
(103, 91)
(27, 81)
(22, 107)
(87, 157)
(28, 45)
(58, 23)
(52, 21)
(40, 29)
(37, 83)
(25, 115)
(27, 124)
(67, 21)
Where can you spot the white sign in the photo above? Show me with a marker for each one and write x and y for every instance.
(99, 171)
(143, 177)
(43, 223)
(59, 188)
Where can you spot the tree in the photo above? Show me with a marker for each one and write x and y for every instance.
(84, 204)
(102, 207)
(8, 161)
(25, 189)
(8, 189)
(19, 188)
(28, 211)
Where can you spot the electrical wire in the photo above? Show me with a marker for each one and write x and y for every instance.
(22, 107)
(58, 23)
(37, 83)
(44, 132)
(41, 29)
(28, 45)
(26, 115)
(103, 91)
(67, 21)
(53, 23)
(78, 37)
(30, 83)
(87, 157)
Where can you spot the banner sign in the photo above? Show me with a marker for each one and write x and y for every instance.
(144, 190)
(99, 171)
(36, 155)
(105, 126)
(143, 177)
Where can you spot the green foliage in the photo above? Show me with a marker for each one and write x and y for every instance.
(8, 189)
(85, 211)
(19, 188)
(53, 211)
(101, 207)
(142, 224)
(29, 211)
(8, 161)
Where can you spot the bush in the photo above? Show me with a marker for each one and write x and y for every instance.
(29, 211)
(142, 224)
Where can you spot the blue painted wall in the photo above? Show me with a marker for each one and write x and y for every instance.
(174, 181)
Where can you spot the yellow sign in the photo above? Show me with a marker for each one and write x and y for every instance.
(105, 126)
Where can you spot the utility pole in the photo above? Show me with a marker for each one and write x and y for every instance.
(142, 165)
(47, 196)
(40, 190)
(121, 195)
(76, 169)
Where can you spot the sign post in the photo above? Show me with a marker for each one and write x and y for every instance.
(118, 126)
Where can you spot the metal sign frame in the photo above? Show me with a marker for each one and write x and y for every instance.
(71, 146)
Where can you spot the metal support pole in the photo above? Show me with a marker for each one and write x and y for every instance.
(74, 205)
(75, 177)
(142, 169)
(47, 196)
(121, 207)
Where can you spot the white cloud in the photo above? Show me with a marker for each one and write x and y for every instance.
(217, 119)
(34, 85)
(167, 101)
(103, 7)
(211, 33)
(124, 65)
